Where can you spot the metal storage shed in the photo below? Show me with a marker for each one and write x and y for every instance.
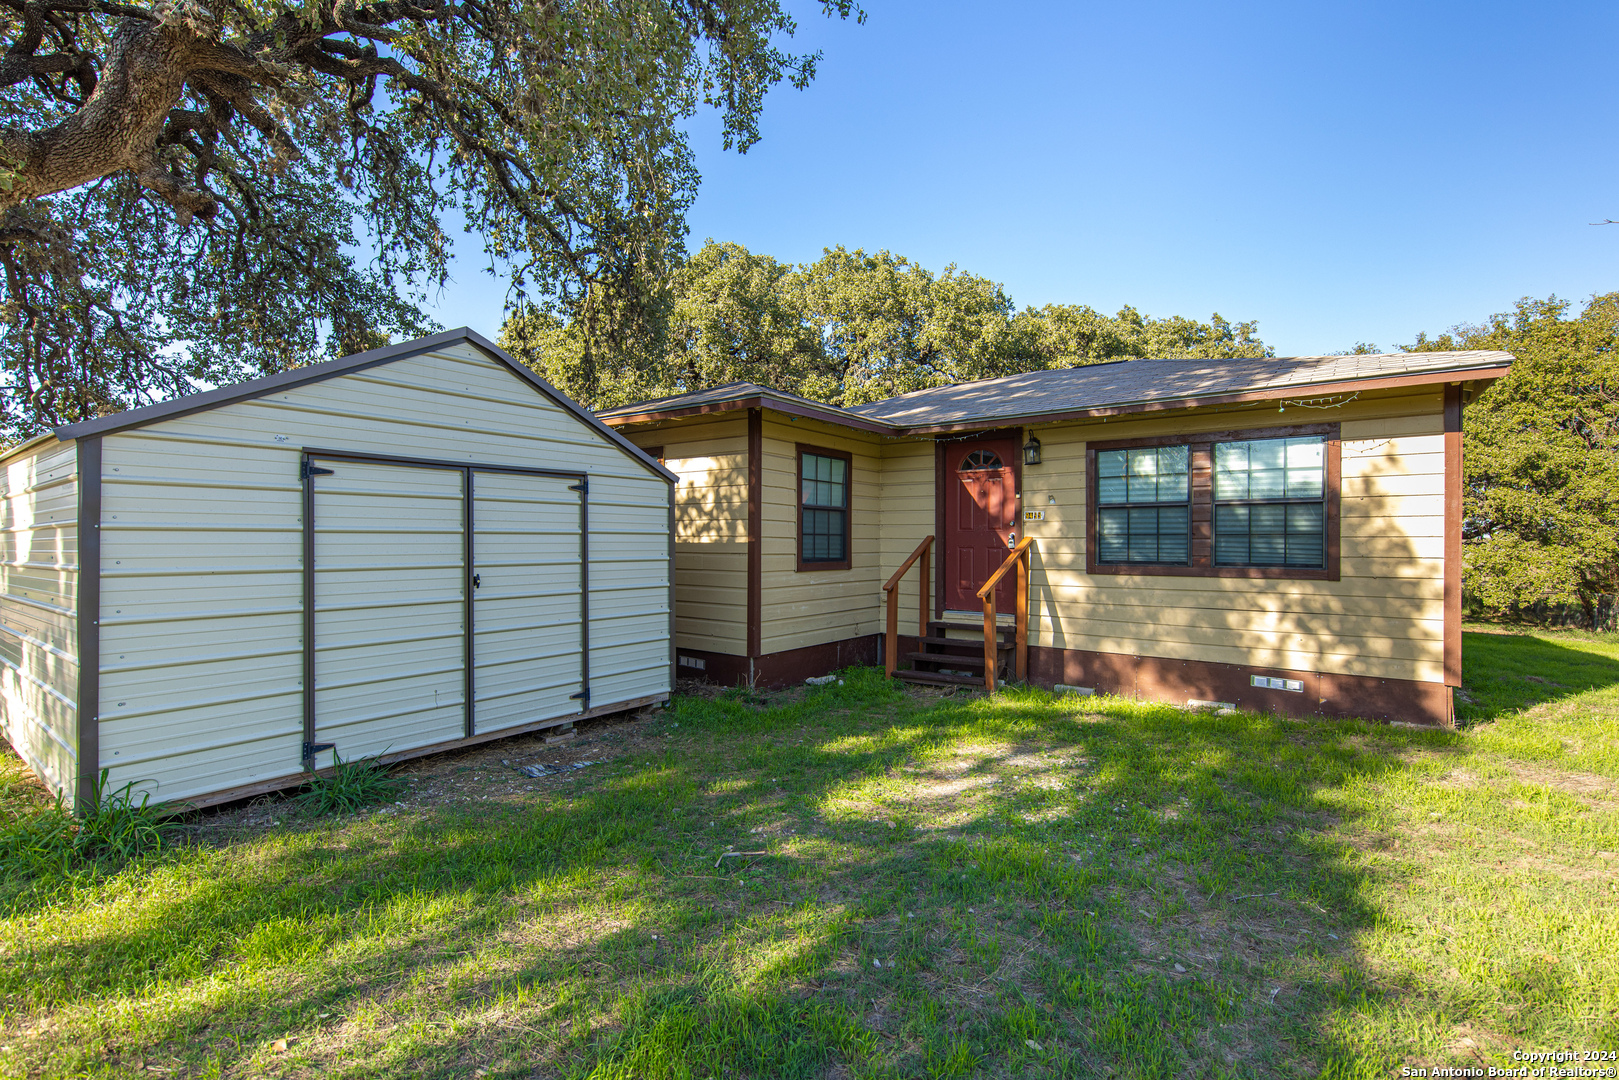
(405, 550)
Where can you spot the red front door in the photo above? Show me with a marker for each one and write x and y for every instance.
(980, 520)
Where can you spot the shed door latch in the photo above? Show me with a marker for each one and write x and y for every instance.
(311, 469)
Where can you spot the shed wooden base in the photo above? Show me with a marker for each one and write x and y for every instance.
(1157, 679)
(281, 783)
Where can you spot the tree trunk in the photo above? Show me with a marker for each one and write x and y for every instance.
(117, 128)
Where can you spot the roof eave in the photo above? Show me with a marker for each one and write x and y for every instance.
(755, 401)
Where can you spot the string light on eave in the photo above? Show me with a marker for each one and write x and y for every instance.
(1334, 401)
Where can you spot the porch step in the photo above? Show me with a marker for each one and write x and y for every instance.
(940, 629)
(933, 678)
(964, 643)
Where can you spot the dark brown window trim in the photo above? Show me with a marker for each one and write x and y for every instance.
(848, 508)
(1201, 445)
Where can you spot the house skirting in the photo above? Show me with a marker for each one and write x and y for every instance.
(1157, 679)
(773, 670)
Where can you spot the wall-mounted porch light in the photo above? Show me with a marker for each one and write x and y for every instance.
(1031, 451)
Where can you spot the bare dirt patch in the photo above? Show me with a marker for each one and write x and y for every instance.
(1597, 792)
(486, 772)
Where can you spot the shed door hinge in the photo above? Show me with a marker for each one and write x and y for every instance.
(313, 748)
(583, 697)
(311, 469)
(583, 486)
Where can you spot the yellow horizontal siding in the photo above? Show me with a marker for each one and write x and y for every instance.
(710, 456)
(814, 607)
(1384, 618)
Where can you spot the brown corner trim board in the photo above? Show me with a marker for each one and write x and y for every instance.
(756, 467)
(1453, 534)
(89, 622)
(1177, 681)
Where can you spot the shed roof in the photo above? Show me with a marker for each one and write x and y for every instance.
(225, 395)
(1093, 390)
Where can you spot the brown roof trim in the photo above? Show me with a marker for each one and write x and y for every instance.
(348, 365)
(829, 415)
(1427, 378)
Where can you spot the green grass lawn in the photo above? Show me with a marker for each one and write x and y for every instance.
(950, 886)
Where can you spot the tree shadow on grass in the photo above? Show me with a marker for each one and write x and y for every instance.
(1505, 672)
(1125, 896)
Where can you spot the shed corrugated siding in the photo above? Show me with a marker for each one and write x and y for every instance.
(39, 586)
(711, 530)
(1384, 619)
(814, 607)
(202, 634)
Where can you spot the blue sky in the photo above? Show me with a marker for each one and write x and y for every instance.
(1338, 172)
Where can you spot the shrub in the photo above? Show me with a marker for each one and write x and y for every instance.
(117, 826)
(351, 785)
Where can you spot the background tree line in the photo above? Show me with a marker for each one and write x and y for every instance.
(849, 328)
(185, 191)
(1541, 457)
(1541, 461)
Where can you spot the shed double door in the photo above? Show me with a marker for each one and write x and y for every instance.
(429, 588)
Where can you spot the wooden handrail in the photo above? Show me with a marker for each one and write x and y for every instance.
(1000, 571)
(1019, 557)
(924, 551)
(921, 549)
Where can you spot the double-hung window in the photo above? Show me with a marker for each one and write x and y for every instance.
(1143, 505)
(1270, 505)
(1258, 503)
(823, 509)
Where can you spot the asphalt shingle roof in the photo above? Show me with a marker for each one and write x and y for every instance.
(1121, 385)
(1133, 382)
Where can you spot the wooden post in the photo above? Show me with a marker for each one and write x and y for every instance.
(1022, 638)
(991, 653)
(922, 584)
(924, 551)
(891, 653)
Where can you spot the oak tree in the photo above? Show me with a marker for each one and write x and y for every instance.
(187, 186)
(1541, 457)
(848, 328)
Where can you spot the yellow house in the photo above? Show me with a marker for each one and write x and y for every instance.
(1280, 534)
